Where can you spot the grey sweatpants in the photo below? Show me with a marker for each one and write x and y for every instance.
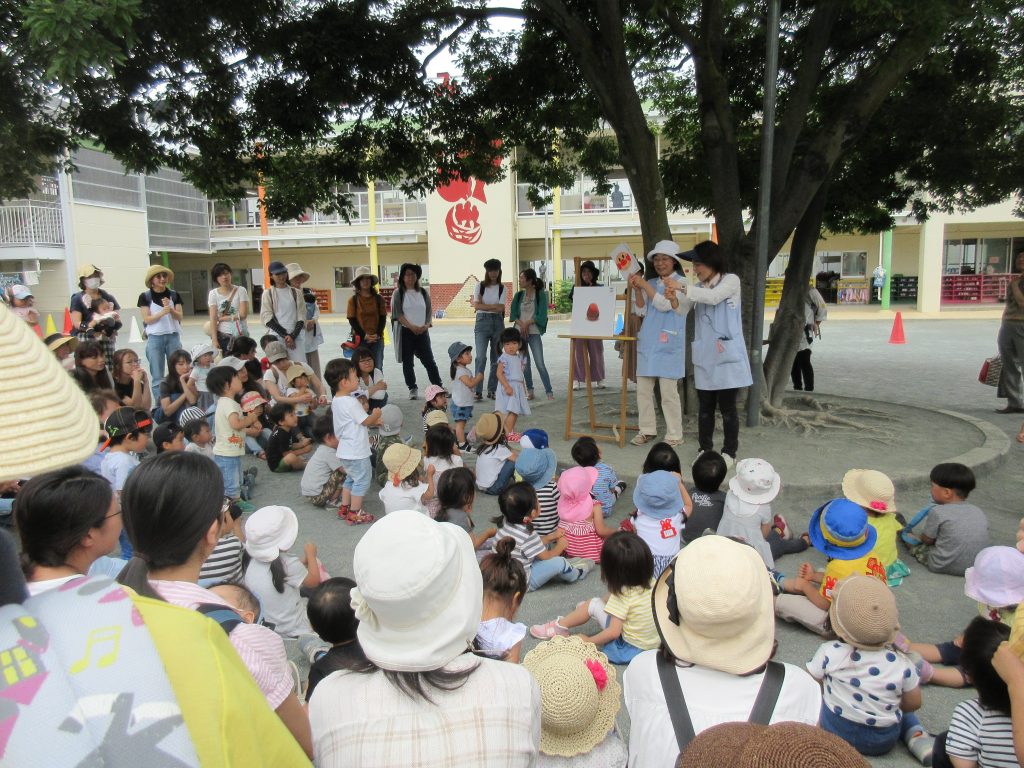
(1011, 349)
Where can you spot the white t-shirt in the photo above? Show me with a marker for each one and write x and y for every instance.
(398, 497)
(278, 377)
(441, 465)
(712, 697)
(321, 464)
(461, 394)
(116, 467)
(38, 587)
(284, 307)
(743, 520)
(376, 378)
(230, 442)
(662, 536)
(493, 294)
(488, 465)
(284, 609)
(217, 299)
(497, 636)
(414, 307)
(353, 437)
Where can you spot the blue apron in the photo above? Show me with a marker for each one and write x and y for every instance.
(719, 353)
(661, 343)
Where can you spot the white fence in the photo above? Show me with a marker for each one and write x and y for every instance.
(31, 223)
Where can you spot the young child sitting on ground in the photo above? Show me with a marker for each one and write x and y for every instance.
(287, 448)
(439, 452)
(437, 400)
(874, 492)
(496, 462)
(199, 436)
(406, 488)
(537, 466)
(168, 437)
(608, 486)
(224, 563)
(389, 433)
(579, 516)
(127, 436)
(504, 587)
(708, 499)
(331, 616)
(871, 690)
(455, 494)
(624, 614)
(660, 506)
(298, 385)
(952, 532)
(463, 384)
(323, 477)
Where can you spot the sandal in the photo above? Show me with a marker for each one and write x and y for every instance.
(641, 439)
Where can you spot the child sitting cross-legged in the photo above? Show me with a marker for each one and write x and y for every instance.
(661, 502)
(287, 448)
(607, 487)
(505, 585)
(455, 495)
(323, 477)
(406, 488)
(537, 466)
(331, 616)
(624, 614)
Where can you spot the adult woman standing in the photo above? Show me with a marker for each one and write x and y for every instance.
(83, 319)
(489, 303)
(530, 314)
(410, 309)
(228, 306)
(595, 347)
(367, 314)
(160, 308)
(1011, 343)
(312, 335)
(661, 342)
(430, 700)
(130, 381)
(720, 363)
(283, 311)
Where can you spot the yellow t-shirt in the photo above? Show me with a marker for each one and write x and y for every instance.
(837, 570)
(888, 528)
(633, 607)
(230, 442)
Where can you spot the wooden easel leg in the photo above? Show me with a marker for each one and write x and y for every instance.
(590, 390)
(568, 404)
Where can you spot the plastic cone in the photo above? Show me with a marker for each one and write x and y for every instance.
(387, 336)
(67, 321)
(897, 337)
(135, 337)
(51, 327)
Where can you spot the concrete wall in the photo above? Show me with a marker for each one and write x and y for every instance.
(116, 241)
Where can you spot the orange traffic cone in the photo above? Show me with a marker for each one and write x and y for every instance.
(38, 329)
(67, 321)
(897, 337)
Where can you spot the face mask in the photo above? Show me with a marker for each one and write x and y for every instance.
(68, 363)
(92, 283)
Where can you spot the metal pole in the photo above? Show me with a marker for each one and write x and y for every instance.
(887, 266)
(763, 207)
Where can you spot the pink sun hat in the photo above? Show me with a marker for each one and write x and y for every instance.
(575, 503)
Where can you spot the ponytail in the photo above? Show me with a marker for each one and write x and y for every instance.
(503, 575)
(277, 574)
(135, 575)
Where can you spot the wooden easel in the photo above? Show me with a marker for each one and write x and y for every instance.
(619, 428)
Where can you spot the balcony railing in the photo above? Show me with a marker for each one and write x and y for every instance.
(31, 223)
(390, 209)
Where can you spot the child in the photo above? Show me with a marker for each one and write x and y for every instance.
(199, 436)
(495, 461)
(511, 394)
(332, 618)
(256, 435)
(455, 495)
(871, 690)
(463, 385)
(709, 472)
(371, 379)
(579, 516)
(536, 466)
(405, 488)
(661, 502)
(504, 586)
(241, 600)
(839, 530)
(224, 383)
(265, 341)
(389, 433)
(437, 400)
(874, 492)
(287, 448)
(436, 418)
(351, 425)
(127, 435)
(108, 320)
(953, 531)
(323, 477)
(224, 563)
(22, 303)
(534, 438)
(608, 486)
(441, 453)
(624, 614)
(168, 437)
(518, 505)
(298, 380)
(202, 364)
(661, 458)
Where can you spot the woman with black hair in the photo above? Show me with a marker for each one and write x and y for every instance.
(489, 302)
(91, 367)
(530, 314)
(410, 311)
(84, 318)
(228, 305)
(595, 347)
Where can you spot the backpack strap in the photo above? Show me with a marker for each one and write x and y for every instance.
(768, 695)
(227, 617)
(677, 711)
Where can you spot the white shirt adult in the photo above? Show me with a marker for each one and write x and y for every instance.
(414, 307)
(493, 295)
(712, 697)
(233, 325)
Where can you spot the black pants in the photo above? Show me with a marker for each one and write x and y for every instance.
(725, 401)
(418, 346)
(940, 758)
(803, 372)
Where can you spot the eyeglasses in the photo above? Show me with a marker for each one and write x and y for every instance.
(112, 514)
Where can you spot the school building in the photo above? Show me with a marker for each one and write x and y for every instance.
(124, 222)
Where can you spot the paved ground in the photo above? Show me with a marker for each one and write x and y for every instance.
(936, 369)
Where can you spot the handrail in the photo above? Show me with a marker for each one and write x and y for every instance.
(31, 223)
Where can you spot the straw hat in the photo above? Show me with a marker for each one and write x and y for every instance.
(579, 695)
(45, 420)
(840, 530)
(575, 503)
(783, 745)
(713, 606)
(294, 270)
(996, 578)
(158, 269)
(870, 489)
(863, 612)
(755, 482)
(435, 417)
(294, 372)
(489, 428)
(268, 531)
(401, 461)
(88, 270)
(57, 340)
(362, 272)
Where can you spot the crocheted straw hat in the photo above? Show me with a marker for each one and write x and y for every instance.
(870, 489)
(401, 461)
(783, 745)
(863, 612)
(579, 695)
(45, 420)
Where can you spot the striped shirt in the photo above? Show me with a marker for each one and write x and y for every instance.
(261, 649)
(582, 540)
(633, 606)
(225, 562)
(982, 735)
(547, 520)
(602, 490)
(528, 543)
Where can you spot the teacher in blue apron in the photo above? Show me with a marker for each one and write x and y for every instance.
(661, 343)
(720, 363)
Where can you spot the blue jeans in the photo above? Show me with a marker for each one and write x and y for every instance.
(377, 350)
(358, 474)
(504, 478)
(535, 352)
(543, 571)
(231, 470)
(866, 739)
(158, 349)
(486, 333)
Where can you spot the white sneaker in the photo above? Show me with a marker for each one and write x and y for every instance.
(576, 386)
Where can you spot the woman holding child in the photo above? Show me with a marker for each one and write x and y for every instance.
(84, 318)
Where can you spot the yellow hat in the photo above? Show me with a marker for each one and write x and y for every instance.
(87, 270)
(159, 269)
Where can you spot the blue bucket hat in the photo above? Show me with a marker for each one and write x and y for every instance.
(840, 530)
(657, 495)
(455, 349)
(536, 466)
(534, 438)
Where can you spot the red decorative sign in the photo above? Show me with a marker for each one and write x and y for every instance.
(463, 218)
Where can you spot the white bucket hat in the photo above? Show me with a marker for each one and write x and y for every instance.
(755, 482)
(294, 270)
(419, 593)
(667, 248)
(268, 531)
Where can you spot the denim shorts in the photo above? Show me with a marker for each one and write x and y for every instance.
(358, 473)
(231, 470)
(461, 412)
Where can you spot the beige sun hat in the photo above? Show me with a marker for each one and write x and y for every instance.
(579, 695)
(870, 489)
(294, 270)
(362, 272)
(158, 269)
(401, 460)
(46, 421)
(435, 417)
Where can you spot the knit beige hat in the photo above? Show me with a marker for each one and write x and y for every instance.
(401, 461)
(579, 695)
(863, 612)
(45, 420)
(870, 489)
(783, 745)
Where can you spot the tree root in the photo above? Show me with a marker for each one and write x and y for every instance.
(815, 416)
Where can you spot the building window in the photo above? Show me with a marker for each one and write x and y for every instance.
(101, 179)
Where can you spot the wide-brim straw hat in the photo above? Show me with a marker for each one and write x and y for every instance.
(579, 695)
(435, 417)
(57, 340)
(294, 270)
(870, 489)
(783, 745)
(864, 613)
(158, 269)
(362, 272)
(713, 606)
(46, 421)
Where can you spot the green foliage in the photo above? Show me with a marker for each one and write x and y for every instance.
(563, 304)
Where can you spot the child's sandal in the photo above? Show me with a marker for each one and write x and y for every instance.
(361, 518)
